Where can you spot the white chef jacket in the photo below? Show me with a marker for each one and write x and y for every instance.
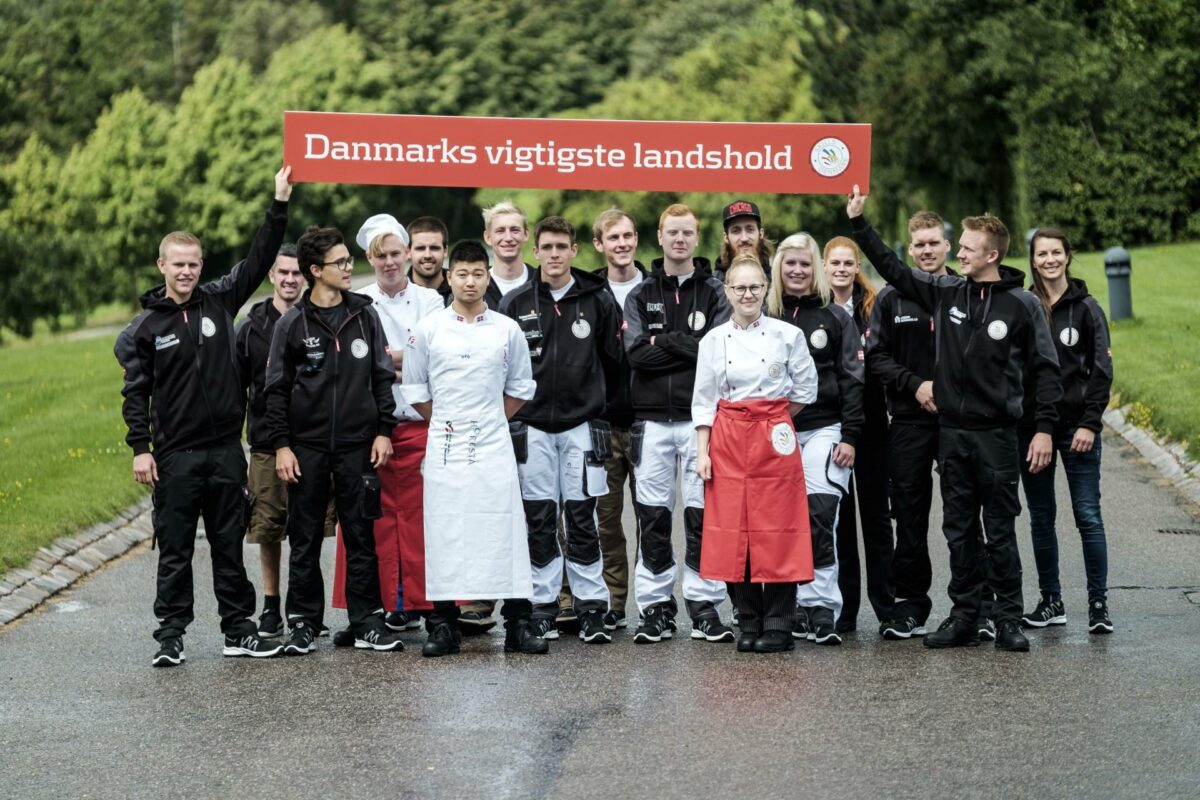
(400, 315)
(766, 361)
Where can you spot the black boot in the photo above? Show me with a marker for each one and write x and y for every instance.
(443, 640)
(1009, 637)
(954, 632)
(519, 638)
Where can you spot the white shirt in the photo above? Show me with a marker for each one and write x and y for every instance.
(621, 289)
(559, 294)
(765, 361)
(400, 315)
(505, 285)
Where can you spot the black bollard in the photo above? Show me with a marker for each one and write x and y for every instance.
(1117, 266)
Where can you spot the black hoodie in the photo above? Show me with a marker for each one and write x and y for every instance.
(677, 317)
(1080, 332)
(833, 340)
(253, 347)
(991, 339)
(619, 410)
(492, 295)
(182, 386)
(329, 390)
(575, 347)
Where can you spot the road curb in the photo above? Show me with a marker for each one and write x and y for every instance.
(1169, 458)
(69, 558)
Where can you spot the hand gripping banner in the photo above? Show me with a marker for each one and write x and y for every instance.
(617, 155)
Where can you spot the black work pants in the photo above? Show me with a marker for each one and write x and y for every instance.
(870, 485)
(980, 473)
(355, 492)
(210, 483)
(763, 606)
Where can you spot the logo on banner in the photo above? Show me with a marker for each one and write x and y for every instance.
(819, 339)
(696, 320)
(997, 330)
(783, 439)
(581, 328)
(208, 327)
(830, 157)
(1069, 337)
(358, 348)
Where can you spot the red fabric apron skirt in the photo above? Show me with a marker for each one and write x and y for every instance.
(400, 532)
(756, 505)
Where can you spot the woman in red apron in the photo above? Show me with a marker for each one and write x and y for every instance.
(752, 374)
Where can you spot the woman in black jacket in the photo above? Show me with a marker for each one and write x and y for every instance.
(1080, 333)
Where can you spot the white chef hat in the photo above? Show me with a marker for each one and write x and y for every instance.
(377, 225)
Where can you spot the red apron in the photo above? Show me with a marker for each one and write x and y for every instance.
(756, 505)
(400, 532)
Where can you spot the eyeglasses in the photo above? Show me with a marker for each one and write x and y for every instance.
(342, 263)
(754, 290)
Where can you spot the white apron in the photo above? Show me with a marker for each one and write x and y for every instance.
(476, 543)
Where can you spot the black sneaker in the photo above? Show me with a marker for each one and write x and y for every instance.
(592, 629)
(711, 629)
(822, 629)
(986, 630)
(343, 638)
(472, 623)
(251, 644)
(170, 653)
(1049, 611)
(954, 632)
(614, 620)
(800, 627)
(653, 628)
(904, 628)
(270, 623)
(302, 641)
(520, 638)
(1098, 621)
(1009, 637)
(543, 627)
(443, 641)
(377, 637)
(402, 620)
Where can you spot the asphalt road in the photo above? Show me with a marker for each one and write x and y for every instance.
(83, 715)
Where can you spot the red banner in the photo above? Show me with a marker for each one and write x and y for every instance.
(725, 157)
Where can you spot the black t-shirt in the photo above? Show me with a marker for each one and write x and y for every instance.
(333, 316)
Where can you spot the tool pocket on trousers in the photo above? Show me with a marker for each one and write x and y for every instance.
(519, 432)
(372, 503)
(637, 435)
(601, 435)
(1004, 498)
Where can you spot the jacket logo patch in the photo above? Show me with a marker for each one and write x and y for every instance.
(1069, 337)
(655, 308)
(696, 320)
(530, 317)
(997, 330)
(581, 328)
(359, 349)
(900, 319)
(208, 327)
(163, 342)
(956, 316)
(819, 339)
(312, 341)
(775, 371)
(783, 439)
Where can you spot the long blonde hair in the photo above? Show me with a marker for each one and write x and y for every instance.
(820, 281)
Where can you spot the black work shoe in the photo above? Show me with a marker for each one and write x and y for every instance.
(544, 628)
(443, 641)
(774, 642)
(614, 620)
(472, 623)
(379, 638)
(170, 653)
(745, 642)
(1049, 611)
(711, 629)
(251, 644)
(904, 628)
(520, 638)
(954, 632)
(343, 638)
(800, 626)
(402, 620)
(654, 627)
(821, 627)
(1098, 621)
(270, 623)
(1009, 637)
(302, 641)
(986, 630)
(592, 629)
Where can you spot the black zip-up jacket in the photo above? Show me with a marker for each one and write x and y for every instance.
(1080, 332)
(253, 347)
(664, 373)
(492, 296)
(575, 347)
(900, 353)
(619, 410)
(875, 418)
(833, 342)
(991, 339)
(182, 385)
(329, 390)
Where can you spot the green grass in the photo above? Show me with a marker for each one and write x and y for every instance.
(1156, 355)
(63, 460)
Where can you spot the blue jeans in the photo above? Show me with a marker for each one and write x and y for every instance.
(1083, 481)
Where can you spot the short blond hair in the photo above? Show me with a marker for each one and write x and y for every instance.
(995, 230)
(179, 239)
(607, 219)
(375, 249)
(923, 220)
(505, 206)
(676, 210)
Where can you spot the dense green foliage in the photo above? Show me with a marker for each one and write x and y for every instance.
(122, 119)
